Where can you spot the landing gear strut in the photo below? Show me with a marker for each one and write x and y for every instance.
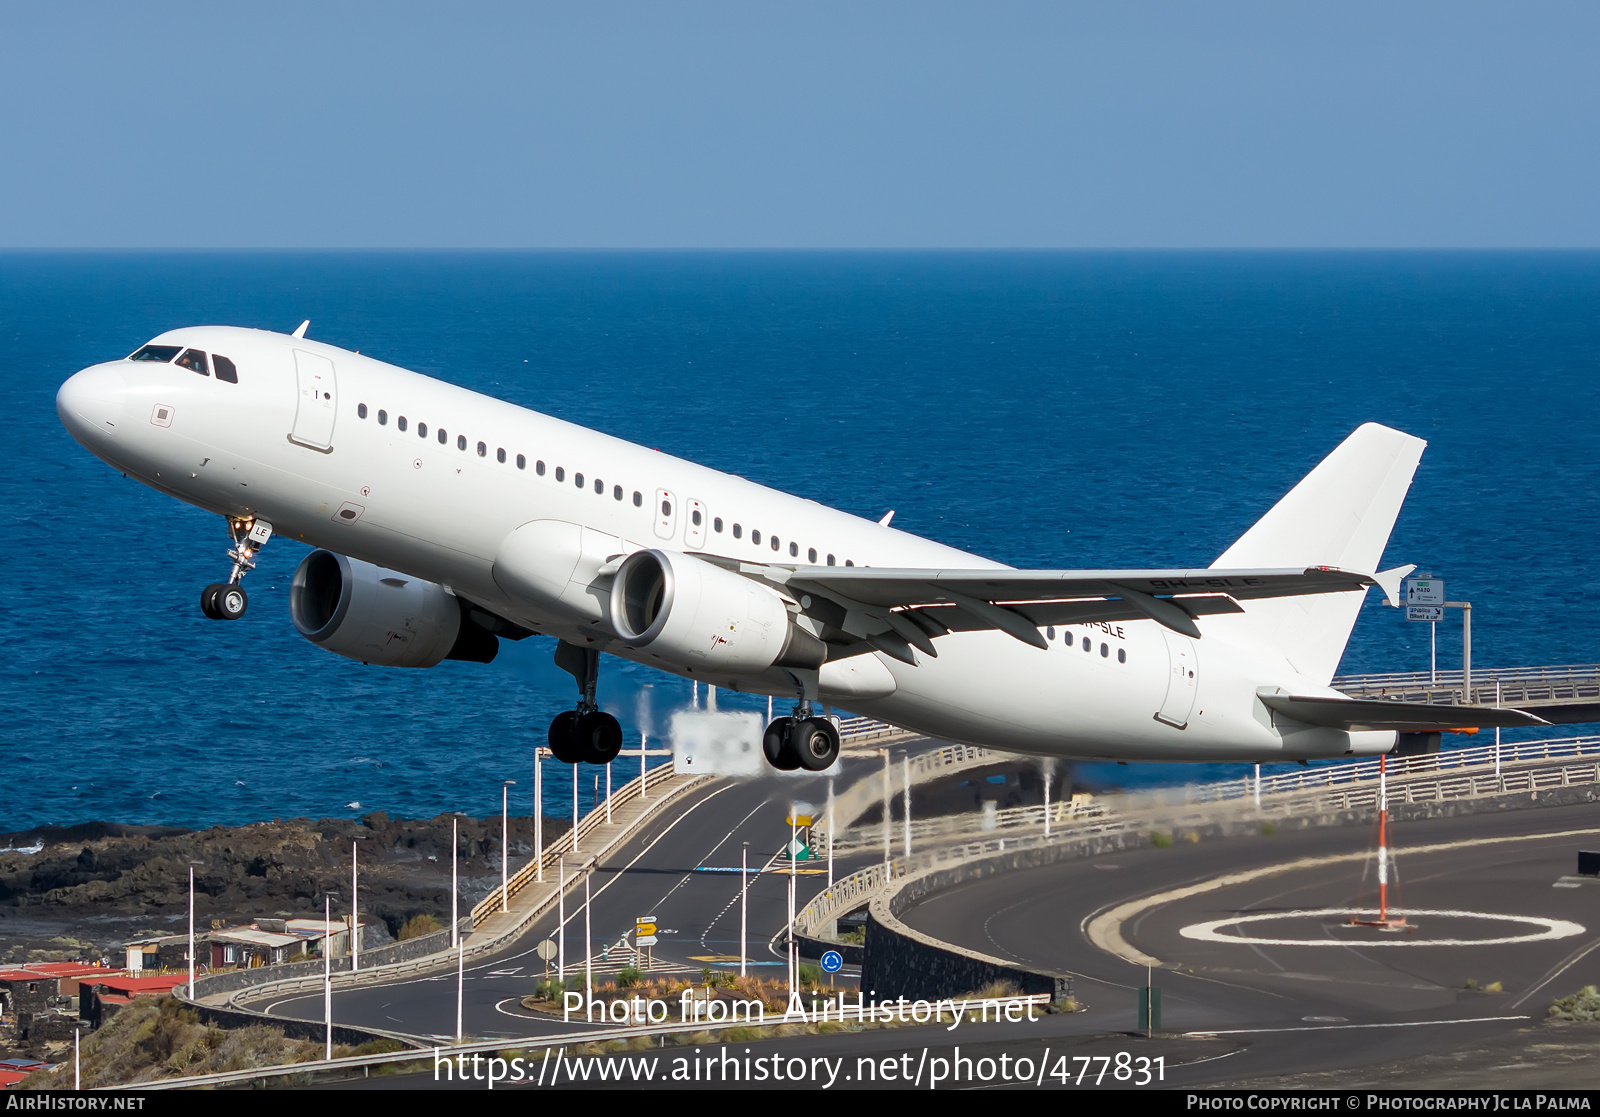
(586, 735)
(227, 601)
(801, 741)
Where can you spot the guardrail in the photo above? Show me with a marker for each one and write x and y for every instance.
(1506, 686)
(1460, 774)
(861, 796)
(560, 847)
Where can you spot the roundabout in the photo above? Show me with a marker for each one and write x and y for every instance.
(1329, 920)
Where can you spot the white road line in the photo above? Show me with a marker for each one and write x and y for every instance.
(1349, 1027)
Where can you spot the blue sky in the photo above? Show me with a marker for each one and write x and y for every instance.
(817, 125)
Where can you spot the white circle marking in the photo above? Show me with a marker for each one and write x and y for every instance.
(1549, 929)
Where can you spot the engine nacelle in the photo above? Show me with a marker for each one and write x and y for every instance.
(364, 612)
(694, 614)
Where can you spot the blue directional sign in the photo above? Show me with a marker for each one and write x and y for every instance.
(832, 961)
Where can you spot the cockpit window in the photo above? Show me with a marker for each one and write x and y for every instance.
(194, 361)
(226, 369)
(162, 353)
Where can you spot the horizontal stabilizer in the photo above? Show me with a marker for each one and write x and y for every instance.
(1381, 714)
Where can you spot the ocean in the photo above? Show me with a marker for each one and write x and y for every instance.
(1044, 409)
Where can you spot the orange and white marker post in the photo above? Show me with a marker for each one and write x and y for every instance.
(1383, 922)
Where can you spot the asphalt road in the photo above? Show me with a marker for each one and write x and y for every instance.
(682, 868)
(1325, 995)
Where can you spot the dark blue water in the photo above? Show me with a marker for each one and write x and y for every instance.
(1044, 409)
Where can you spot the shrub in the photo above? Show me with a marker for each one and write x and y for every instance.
(1268, 829)
(628, 977)
(1159, 840)
(1582, 1005)
(419, 925)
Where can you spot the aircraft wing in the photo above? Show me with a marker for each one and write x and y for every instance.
(1405, 717)
(912, 606)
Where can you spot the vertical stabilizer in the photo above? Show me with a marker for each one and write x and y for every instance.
(1339, 515)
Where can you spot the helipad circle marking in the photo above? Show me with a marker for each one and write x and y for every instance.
(1549, 929)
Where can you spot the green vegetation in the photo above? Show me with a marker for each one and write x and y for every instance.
(1268, 829)
(419, 925)
(156, 1038)
(1582, 1005)
(628, 977)
(1160, 840)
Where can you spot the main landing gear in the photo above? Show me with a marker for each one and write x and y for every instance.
(586, 735)
(227, 601)
(801, 741)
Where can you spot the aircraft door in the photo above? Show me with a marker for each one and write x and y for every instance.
(694, 533)
(318, 401)
(666, 514)
(1183, 679)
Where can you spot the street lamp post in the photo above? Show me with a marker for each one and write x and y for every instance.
(327, 972)
(505, 839)
(455, 883)
(192, 864)
(538, 812)
(744, 905)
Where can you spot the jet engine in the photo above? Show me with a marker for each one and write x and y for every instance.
(367, 613)
(691, 613)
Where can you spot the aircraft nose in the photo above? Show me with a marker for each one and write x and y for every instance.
(90, 403)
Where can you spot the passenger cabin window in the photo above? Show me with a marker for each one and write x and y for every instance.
(538, 467)
(794, 550)
(616, 492)
(696, 517)
(161, 353)
(194, 361)
(383, 417)
(811, 555)
(227, 372)
(1105, 650)
(500, 455)
(599, 487)
(1122, 655)
(561, 473)
(737, 531)
(755, 537)
(483, 450)
(774, 542)
(522, 462)
(422, 430)
(1087, 644)
(461, 442)
(361, 408)
(716, 525)
(666, 507)
(830, 560)
(577, 479)
(638, 499)
(401, 422)
(849, 562)
(443, 437)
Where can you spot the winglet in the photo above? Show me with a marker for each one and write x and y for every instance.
(887, 516)
(1389, 582)
(300, 330)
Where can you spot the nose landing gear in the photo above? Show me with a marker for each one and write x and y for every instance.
(586, 735)
(227, 601)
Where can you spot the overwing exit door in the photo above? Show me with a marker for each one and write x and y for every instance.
(318, 401)
(1183, 680)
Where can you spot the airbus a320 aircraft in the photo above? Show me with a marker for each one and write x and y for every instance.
(445, 521)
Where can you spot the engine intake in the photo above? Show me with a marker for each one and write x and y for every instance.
(367, 613)
(692, 613)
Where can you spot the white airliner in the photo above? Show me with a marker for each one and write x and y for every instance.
(445, 520)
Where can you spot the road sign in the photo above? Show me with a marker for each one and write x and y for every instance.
(1433, 613)
(1424, 591)
(546, 950)
(644, 931)
(832, 961)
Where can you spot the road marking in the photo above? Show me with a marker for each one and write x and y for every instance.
(1105, 929)
(1348, 1027)
(1566, 964)
(1552, 929)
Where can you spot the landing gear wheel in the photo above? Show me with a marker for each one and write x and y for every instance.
(777, 745)
(208, 600)
(599, 737)
(563, 737)
(814, 742)
(231, 602)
